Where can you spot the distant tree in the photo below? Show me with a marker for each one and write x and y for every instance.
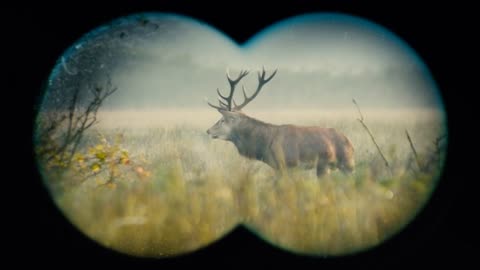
(60, 130)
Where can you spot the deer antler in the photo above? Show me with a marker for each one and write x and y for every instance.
(228, 99)
(261, 82)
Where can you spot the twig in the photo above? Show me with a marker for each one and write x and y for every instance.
(437, 142)
(373, 138)
(436, 155)
(358, 109)
(413, 150)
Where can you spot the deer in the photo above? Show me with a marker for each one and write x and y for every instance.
(279, 146)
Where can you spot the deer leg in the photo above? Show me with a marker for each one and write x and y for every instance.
(347, 165)
(346, 169)
(322, 169)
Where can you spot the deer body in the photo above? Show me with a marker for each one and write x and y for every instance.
(284, 146)
(280, 146)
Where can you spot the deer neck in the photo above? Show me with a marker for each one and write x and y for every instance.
(252, 137)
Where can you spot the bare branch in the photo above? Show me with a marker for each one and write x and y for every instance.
(358, 108)
(413, 149)
(79, 119)
(373, 138)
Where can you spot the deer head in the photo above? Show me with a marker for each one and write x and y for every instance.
(231, 112)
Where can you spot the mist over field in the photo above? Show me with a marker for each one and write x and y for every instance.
(124, 150)
(178, 63)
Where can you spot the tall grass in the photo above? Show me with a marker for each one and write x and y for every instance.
(201, 188)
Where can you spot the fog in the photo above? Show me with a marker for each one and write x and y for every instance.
(160, 62)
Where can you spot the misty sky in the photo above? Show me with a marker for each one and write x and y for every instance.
(322, 61)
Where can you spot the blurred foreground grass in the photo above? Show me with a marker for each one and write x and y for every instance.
(199, 189)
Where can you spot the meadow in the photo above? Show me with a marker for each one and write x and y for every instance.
(191, 190)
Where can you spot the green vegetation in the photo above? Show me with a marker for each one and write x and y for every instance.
(165, 189)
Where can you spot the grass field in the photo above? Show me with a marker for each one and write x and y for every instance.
(198, 189)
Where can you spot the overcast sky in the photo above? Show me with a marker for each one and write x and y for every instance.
(322, 61)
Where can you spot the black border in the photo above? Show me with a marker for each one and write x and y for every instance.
(41, 34)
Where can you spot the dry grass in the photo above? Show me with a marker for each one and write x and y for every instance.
(201, 188)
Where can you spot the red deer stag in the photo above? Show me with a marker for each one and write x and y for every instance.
(280, 146)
